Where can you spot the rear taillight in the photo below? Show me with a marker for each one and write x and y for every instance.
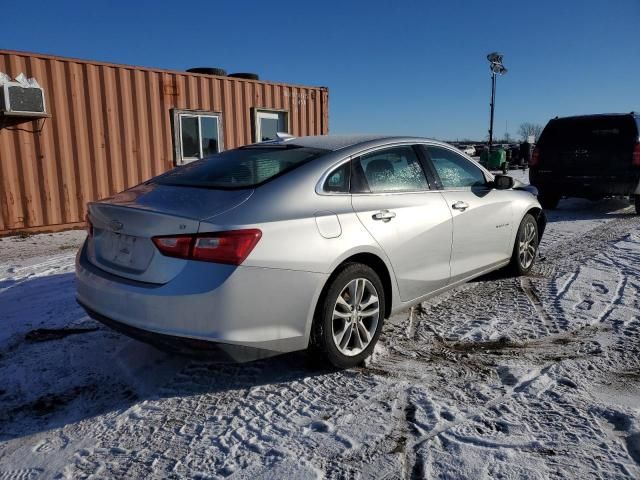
(231, 247)
(535, 157)
(89, 225)
(636, 155)
(174, 246)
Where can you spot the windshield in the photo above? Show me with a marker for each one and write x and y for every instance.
(244, 167)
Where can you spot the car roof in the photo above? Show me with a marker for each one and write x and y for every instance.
(597, 115)
(339, 142)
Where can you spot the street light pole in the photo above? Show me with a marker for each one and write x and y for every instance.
(495, 64)
(493, 102)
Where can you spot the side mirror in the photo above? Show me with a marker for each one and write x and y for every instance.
(503, 182)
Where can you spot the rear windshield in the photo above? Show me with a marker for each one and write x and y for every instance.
(245, 167)
(590, 131)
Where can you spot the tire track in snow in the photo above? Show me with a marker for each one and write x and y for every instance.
(278, 417)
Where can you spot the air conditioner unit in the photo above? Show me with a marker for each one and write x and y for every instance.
(19, 100)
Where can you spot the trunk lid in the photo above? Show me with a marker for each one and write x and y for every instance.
(124, 224)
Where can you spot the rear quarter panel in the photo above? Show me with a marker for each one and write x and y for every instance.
(287, 213)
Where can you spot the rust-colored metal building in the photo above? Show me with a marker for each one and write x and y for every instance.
(108, 127)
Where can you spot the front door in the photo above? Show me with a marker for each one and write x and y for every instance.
(412, 224)
(483, 226)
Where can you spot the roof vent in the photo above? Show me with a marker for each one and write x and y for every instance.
(221, 72)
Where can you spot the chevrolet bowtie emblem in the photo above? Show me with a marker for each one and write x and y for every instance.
(115, 225)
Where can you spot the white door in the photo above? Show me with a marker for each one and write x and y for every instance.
(482, 216)
(411, 223)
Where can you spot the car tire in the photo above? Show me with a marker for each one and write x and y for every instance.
(340, 330)
(548, 200)
(637, 204)
(525, 248)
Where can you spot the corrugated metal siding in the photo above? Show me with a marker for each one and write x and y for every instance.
(110, 129)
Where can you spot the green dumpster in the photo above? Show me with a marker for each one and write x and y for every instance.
(495, 161)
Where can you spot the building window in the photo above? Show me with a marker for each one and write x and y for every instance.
(197, 135)
(268, 123)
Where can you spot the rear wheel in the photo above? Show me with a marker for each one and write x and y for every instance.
(548, 200)
(637, 202)
(349, 318)
(526, 246)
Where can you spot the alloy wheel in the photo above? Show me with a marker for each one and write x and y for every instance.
(527, 245)
(355, 317)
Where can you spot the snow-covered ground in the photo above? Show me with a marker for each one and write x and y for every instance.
(532, 377)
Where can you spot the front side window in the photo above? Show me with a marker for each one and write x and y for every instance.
(198, 136)
(395, 169)
(245, 167)
(454, 170)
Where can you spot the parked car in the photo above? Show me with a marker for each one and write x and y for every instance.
(467, 149)
(479, 149)
(589, 156)
(311, 241)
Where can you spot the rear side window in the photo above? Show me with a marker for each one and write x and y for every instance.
(338, 180)
(600, 131)
(454, 170)
(241, 168)
(395, 169)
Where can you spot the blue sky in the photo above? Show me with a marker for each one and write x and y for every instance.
(403, 67)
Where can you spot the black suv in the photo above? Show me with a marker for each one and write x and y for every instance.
(590, 156)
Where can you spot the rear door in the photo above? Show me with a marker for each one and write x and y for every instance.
(411, 223)
(483, 223)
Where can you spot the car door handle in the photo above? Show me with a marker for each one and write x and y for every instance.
(384, 215)
(462, 206)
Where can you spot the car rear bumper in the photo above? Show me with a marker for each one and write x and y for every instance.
(584, 186)
(261, 308)
(219, 352)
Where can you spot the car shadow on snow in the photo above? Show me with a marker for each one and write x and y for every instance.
(581, 209)
(72, 368)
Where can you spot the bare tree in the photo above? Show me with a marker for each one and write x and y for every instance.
(527, 129)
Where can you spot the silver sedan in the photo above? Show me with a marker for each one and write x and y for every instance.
(299, 242)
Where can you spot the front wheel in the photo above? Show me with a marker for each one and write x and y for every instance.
(349, 318)
(526, 246)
